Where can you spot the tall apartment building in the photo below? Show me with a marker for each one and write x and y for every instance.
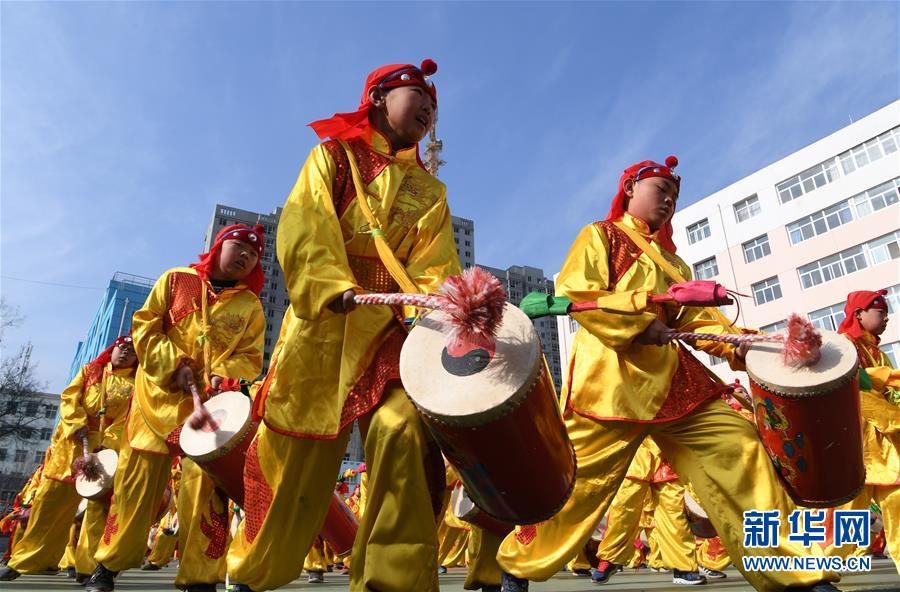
(125, 294)
(464, 238)
(520, 280)
(801, 233)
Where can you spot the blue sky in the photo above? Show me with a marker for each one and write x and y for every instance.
(123, 124)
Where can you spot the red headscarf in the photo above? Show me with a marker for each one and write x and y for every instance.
(255, 236)
(645, 170)
(105, 356)
(862, 300)
(343, 126)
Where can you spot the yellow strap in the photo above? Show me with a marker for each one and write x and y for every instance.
(207, 347)
(669, 269)
(385, 253)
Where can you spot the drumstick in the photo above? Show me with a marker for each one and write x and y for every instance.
(200, 418)
(87, 464)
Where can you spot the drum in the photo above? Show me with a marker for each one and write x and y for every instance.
(82, 508)
(165, 503)
(465, 509)
(493, 411)
(809, 421)
(698, 519)
(340, 526)
(221, 452)
(101, 489)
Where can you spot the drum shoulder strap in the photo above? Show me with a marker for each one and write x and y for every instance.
(370, 166)
(622, 251)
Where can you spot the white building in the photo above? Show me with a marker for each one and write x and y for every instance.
(25, 429)
(801, 233)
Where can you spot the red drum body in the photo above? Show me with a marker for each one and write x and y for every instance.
(100, 490)
(222, 452)
(165, 504)
(809, 421)
(697, 519)
(340, 527)
(493, 411)
(465, 509)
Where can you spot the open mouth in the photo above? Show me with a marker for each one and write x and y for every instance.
(240, 264)
(422, 120)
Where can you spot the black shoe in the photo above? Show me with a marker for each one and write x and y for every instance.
(688, 578)
(490, 589)
(820, 587)
(150, 567)
(8, 574)
(604, 571)
(200, 588)
(102, 580)
(81, 578)
(513, 584)
(70, 572)
(581, 572)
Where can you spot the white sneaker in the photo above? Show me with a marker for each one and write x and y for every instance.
(712, 574)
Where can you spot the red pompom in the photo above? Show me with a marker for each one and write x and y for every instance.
(428, 67)
(803, 344)
(259, 229)
(475, 302)
(88, 466)
(671, 162)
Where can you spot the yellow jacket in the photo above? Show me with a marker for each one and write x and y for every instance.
(881, 417)
(171, 329)
(325, 249)
(613, 378)
(92, 395)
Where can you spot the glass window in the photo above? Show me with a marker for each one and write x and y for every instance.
(698, 231)
(893, 299)
(877, 198)
(766, 290)
(706, 269)
(884, 248)
(869, 151)
(809, 180)
(757, 248)
(31, 408)
(892, 350)
(828, 318)
(774, 327)
(746, 208)
(20, 455)
(716, 360)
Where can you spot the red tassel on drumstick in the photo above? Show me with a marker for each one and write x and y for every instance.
(87, 464)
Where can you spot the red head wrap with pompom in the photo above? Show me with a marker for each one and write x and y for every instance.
(862, 300)
(343, 126)
(255, 236)
(644, 170)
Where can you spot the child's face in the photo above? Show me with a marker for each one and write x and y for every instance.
(123, 356)
(652, 200)
(406, 114)
(236, 260)
(873, 320)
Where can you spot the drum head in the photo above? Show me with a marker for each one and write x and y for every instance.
(479, 386)
(108, 460)
(461, 503)
(82, 508)
(837, 366)
(693, 506)
(232, 412)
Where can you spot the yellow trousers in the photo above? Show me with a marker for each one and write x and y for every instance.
(713, 448)
(315, 559)
(452, 543)
(68, 558)
(711, 554)
(163, 548)
(580, 561)
(42, 545)
(888, 499)
(483, 569)
(396, 545)
(92, 527)
(140, 483)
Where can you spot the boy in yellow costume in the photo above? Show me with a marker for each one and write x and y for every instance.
(334, 364)
(201, 325)
(866, 318)
(13, 524)
(93, 406)
(628, 380)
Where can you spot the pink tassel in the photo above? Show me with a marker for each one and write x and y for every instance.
(474, 303)
(803, 345)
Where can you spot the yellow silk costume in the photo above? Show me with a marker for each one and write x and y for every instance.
(330, 369)
(183, 321)
(662, 391)
(163, 549)
(880, 409)
(97, 399)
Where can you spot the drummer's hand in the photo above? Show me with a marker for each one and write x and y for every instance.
(656, 333)
(740, 352)
(215, 383)
(343, 303)
(184, 376)
(77, 436)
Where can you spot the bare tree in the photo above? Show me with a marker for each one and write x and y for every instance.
(19, 408)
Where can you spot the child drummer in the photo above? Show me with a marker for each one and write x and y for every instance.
(201, 324)
(866, 319)
(334, 363)
(629, 380)
(94, 407)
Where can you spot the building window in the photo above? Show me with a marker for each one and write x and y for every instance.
(877, 198)
(268, 342)
(2, 454)
(757, 248)
(884, 248)
(272, 299)
(39, 457)
(698, 231)
(271, 313)
(828, 318)
(774, 327)
(716, 360)
(706, 269)
(746, 208)
(870, 151)
(833, 266)
(46, 433)
(31, 408)
(820, 222)
(893, 298)
(12, 407)
(20, 455)
(766, 290)
(892, 351)
(262, 295)
(809, 180)
(49, 411)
